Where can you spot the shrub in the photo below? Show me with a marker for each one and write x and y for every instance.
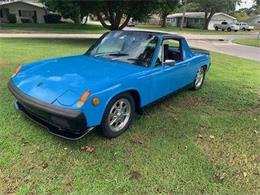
(52, 18)
(12, 18)
(26, 20)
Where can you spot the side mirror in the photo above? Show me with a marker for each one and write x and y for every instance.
(170, 62)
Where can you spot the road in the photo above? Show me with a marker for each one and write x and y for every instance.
(216, 43)
(227, 47)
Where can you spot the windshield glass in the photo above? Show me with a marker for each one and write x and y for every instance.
(130, 47)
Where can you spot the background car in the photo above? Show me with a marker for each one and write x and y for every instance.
(226, 26)
(244, 26)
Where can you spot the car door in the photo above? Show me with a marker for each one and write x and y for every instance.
(176, 69)
(171, 72)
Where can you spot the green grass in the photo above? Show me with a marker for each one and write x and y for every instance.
(191, 30)
(52, 28)
(195, 142)
(249, 42)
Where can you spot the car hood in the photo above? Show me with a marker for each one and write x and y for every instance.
(68, 77)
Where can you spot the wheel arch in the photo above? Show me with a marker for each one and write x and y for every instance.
(133, 92)
(205, 66)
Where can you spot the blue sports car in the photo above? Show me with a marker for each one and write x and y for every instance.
(119, 75)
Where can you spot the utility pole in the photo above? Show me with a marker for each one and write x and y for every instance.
(183, 14)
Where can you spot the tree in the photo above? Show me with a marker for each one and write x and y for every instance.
(68, 9)
(230, 7)
(112, 14)
(115, 15)
(165, 7)
(210, 7)
(256, 8)
(183, 13)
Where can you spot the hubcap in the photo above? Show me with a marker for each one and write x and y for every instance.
(199, 77)
(119, 114)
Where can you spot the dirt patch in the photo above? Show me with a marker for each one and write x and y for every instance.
(135, 175)
(191, 101)
(136, 140)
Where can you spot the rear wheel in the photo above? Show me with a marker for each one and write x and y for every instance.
(199, 79)
(228, 29)
(118, 115)
(244, 29)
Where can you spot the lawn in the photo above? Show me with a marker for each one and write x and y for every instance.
(249, 42)
(52, 28)
(199, 142)
(190, 30)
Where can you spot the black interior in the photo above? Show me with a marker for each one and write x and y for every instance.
(172, 53)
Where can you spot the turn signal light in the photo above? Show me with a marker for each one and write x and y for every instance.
(83, 98)
(17, 69)
(95, 101)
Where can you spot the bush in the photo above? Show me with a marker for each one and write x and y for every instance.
(26, 20)
(52, 18)
(12, 18)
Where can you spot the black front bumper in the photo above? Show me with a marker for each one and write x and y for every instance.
(70, 124)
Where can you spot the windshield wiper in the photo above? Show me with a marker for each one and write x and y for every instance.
(135, 59)
(111, 54)
(118, 54)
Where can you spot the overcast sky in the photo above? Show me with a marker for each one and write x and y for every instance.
(246, 4)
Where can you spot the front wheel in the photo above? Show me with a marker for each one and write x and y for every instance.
(118, 115)
(229, 29)
(199, 79)
(216, 28)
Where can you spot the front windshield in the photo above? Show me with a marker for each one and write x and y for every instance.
(126, 46)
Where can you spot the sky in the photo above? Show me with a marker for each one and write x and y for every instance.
(245, 4)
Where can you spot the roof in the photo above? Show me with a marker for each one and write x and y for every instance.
(155, 33)
(39, 5)
(197, 15)
(252, 18)
(256, 16)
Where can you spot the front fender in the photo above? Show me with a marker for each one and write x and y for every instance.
(94, 114)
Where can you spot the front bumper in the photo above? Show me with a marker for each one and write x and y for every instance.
(69, 124)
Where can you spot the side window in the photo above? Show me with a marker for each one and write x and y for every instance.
(172, 50)
(172, 43)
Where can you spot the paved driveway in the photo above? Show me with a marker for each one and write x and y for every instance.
(208, 42)
(227, 47)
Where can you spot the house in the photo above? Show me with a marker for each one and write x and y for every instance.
(196, 19)
(255, 21)
(25, 11)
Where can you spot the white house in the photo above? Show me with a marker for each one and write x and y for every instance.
(196, 19)
(255, 20)
(23, 10)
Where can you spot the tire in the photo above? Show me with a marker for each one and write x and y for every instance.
(121, 110)
(223, 29)
(243, 29)
(216, 28)
(235, 30)
(229, 29)
(199, 79)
